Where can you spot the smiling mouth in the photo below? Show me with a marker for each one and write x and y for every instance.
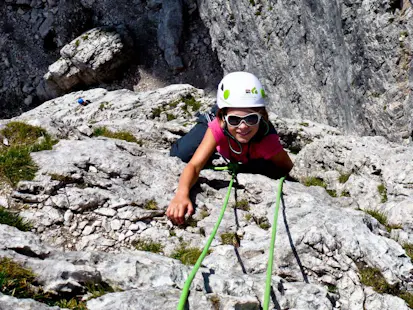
(244, 133)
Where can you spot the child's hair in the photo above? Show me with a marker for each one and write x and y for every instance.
(264, 126)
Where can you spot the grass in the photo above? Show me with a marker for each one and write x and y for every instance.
(187, 255)
(229, 239)
(151, 205)
(121, 135)
(148, 246)
(16, 163)
(248, 217)
(313, 181)
(383, 192)
(372, 277)
(243, 204)
(381, 217)
(17, 281)
(305, 124)
(190, 103)
(345, 194)
(343, 178)
(408, 247)
(170, 117)
(12, 219)
(265, 225)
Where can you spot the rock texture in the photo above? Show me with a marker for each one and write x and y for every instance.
(342, 63)
(94, 198)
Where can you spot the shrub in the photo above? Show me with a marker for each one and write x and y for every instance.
(151, 205)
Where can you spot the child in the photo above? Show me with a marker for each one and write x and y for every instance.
(240, 132)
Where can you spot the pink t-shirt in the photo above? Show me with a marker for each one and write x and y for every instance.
(266, 148)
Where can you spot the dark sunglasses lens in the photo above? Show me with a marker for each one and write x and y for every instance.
(252, 119)
(234, 120)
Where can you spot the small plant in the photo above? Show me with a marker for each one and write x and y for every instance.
(243, 204)
(172, 233)
(148, 246)
(170, 117)
(190, 102)
(229, 239)
(11, 219)
(103, 105)
(332, 288)
(203, 214)
(187, 255)
(77, 43)
(85, 37)
(265, 225)
(121, 135)
(252, 2)
(313, 181)
(15, 280)
(156, 112)
(248, 217)
(343, 178)
(379, 216)
(151, 205)
(305, 124)
(345, 194)
(98, 289)
(408, 247)
(372, 277)
(383, 192)
(404, 33)
(15, 161)
(216, 304)
(191, 222)
(73, 304)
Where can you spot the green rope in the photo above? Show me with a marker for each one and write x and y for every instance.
(185, 291)
(271, 254)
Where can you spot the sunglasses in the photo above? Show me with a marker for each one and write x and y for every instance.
(249, 119)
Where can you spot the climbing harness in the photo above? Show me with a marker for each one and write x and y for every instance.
(233, 168)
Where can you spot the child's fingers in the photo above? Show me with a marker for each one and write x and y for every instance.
(181, 214)
(190, 209)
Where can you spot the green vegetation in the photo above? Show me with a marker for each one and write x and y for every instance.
(77, 43)
(172, 233)
(404, 33)
(214, 299)
(305, 124)
(148, 246)
(332, 288)
(156, 112)
(252, 2)
(248, 217)
(151, 205)
(85, 37)
(190, 102)
(187, 255)
(345, 194)
(408, 247)
(203, 214)
(313, 181)
(170, 117)
(382, 219)
(121, 135)
(243, 204)
(229, 239)
(265, 225)
(12, 219)
(343, 178)
(15, 161)
(372, 277)
(103, 105)
(19, 282)
(383, 192)
(262, 222)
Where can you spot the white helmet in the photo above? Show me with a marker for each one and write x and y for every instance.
(240, 90)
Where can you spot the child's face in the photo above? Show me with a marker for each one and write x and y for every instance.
(243, 133)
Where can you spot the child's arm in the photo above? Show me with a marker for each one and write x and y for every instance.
(181, 202)
(283, 161)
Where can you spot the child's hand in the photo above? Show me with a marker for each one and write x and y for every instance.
(177, 208)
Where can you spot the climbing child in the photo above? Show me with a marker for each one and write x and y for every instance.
(239, 130)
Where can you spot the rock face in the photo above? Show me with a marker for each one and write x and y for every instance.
(95, 56)
(345, 63)
(95, 199)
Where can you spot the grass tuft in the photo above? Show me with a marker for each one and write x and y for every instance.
(230, 239)
(12, 219)
(343, 178)
(383, 192)
(379, 216)
(243, 204)
(408, 247)
(187, 255)
(16, 163)
(313, 181)
(121, 135)
(151, 205)
(148, 246)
